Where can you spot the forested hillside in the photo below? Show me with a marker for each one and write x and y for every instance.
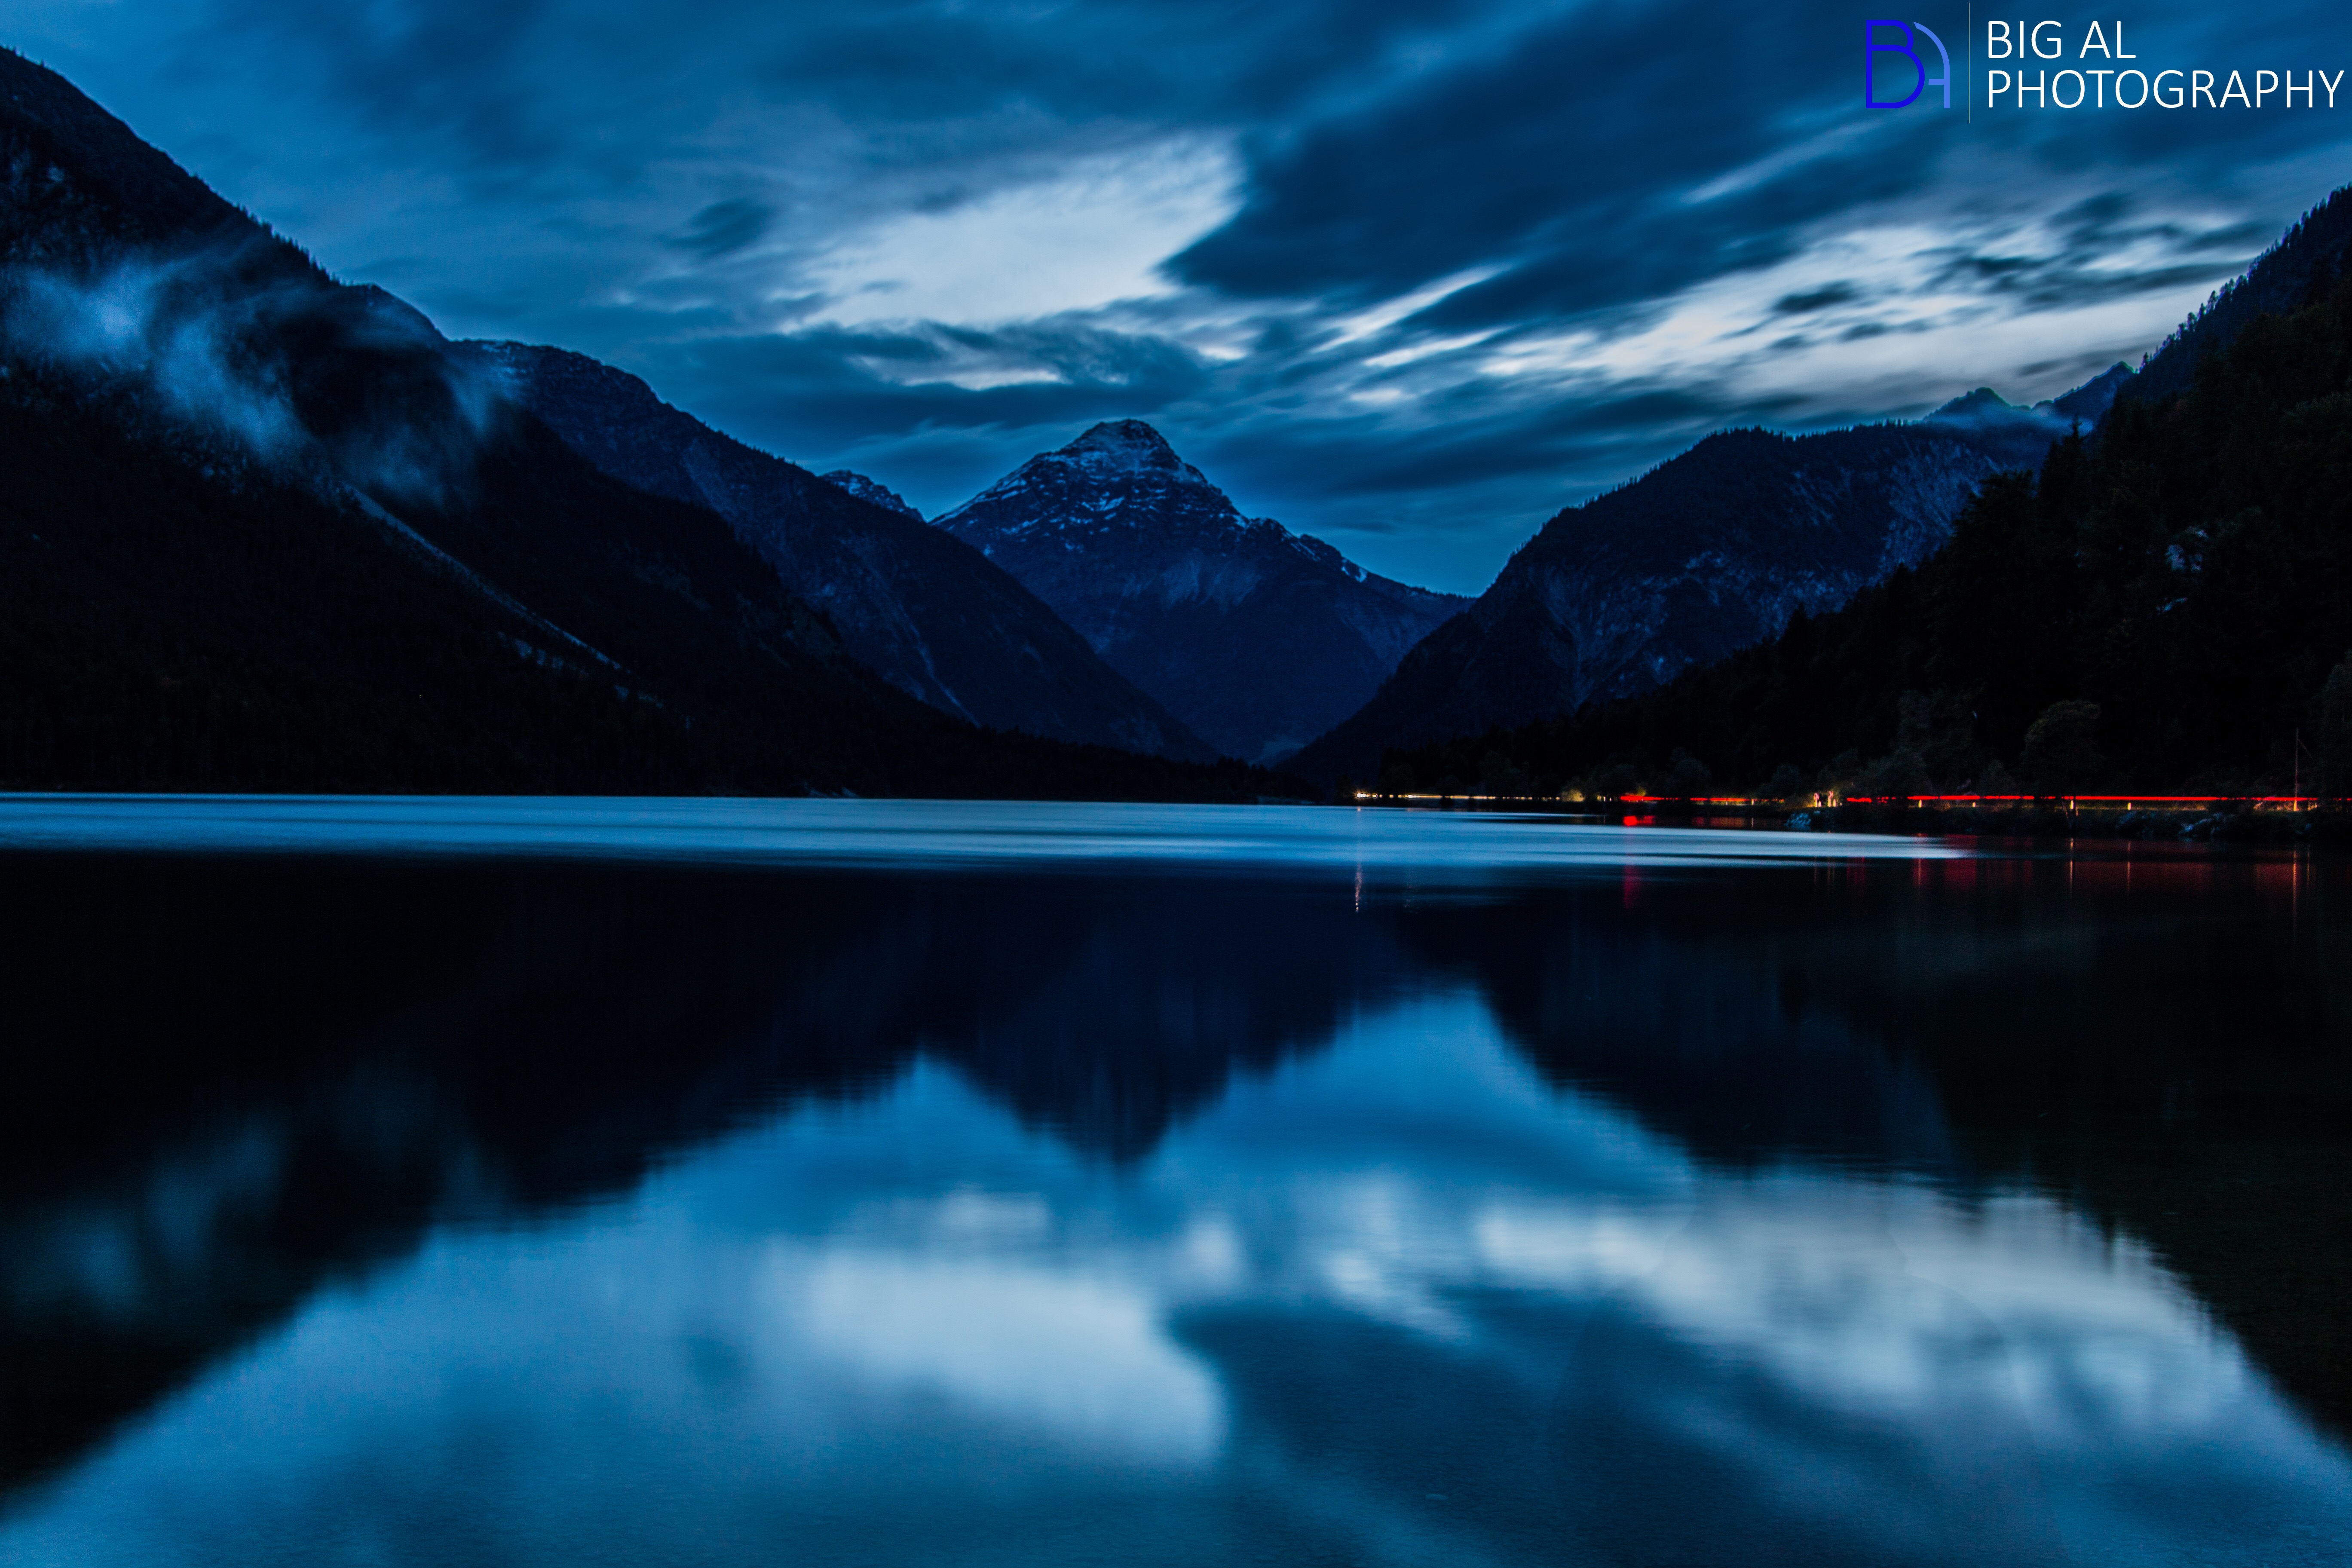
(264, 531)
(2161, 606)
(175, 614)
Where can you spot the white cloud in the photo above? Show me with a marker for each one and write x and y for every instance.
(1093, 233)
(1913, 331)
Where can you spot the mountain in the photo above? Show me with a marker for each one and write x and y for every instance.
(1710, 552)
(925, 612)
(1257, 637)
(867, 490)
(2165, 607)
(2019, 436)
(266, 530)
(75, 175)
(2088, 404)
(1680, 569)
(2304, 266)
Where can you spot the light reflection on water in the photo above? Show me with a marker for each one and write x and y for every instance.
(894, 833)
(1403, 1291)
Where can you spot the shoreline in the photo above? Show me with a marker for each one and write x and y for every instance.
(2330, 827)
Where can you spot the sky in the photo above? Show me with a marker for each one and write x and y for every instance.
(1410, 274)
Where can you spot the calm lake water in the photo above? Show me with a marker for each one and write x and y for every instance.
(494, 1182)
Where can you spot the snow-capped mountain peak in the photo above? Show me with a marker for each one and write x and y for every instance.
(873, 491)
(1127, 445)
(1259, 636)
(1121, 474)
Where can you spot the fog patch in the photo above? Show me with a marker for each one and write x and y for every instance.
(241, 343)
(165, 326)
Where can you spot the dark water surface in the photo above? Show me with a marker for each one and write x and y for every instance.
(832, 1182)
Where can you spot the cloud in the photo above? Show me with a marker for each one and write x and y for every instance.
(1496, 159)
(171, 325)
(242, 341)
(726, 226)
(1092, 234)
(1410, 274)
(1821, 299)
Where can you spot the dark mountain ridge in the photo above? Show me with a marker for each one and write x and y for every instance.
(873, 490)
(1256, 637)
(1710, 552)
(925, 612)
(2165, 606)
(72, 172)
(2021, 436)
(1696, 560)
(2302, 267)
(267, 531)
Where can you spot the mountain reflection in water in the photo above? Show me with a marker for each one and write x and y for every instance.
(1988, 1209)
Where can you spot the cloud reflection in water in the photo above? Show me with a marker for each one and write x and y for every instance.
(1399, 1299)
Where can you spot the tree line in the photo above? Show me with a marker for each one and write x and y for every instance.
(2166, 604)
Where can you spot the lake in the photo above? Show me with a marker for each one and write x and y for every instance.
(835, 1182)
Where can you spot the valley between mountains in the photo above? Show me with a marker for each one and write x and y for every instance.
(266, 529)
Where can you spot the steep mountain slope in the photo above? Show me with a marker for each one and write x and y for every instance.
(2018, 437)
(1519, 655)
(1711, 552)
(169, 617)
(266, 530)
(864, 489)
(2166, 605)
(275, 505)
(75, 175)
(1256, 637)
(925, 612)
(2304, 266)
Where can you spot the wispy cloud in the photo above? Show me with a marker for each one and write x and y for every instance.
(206, 335)
(1411, 274)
